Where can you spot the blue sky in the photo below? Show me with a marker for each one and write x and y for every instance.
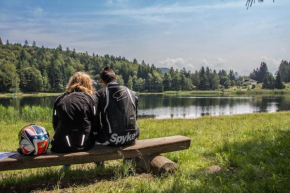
(221, 34)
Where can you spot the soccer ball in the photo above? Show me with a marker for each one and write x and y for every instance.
(33, 140)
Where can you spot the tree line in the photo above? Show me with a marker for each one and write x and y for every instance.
(29, 68)
(262, 75)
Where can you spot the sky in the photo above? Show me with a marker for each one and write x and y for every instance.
(220, 34)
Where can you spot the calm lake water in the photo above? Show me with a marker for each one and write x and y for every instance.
(162, 107)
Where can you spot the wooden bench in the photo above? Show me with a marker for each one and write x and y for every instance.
(146, 153)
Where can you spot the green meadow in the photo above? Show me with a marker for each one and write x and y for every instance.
(240, 153)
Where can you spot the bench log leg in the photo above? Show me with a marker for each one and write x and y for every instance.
(156, 164)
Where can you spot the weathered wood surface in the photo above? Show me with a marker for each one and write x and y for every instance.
(156, 164)
(142, 148)
(162, 165)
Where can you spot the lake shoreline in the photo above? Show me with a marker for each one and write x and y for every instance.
(193, 92)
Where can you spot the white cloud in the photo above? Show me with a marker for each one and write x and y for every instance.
(178, 63)
(221, 63)
(204, 62)
(195, 64)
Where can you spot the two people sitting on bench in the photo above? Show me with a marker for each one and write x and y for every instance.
(82, 117)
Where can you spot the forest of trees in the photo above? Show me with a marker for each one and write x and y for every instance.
(262, 75)
(29, 68)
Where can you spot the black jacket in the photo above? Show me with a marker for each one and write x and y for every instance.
(74, 122)
(117, 108)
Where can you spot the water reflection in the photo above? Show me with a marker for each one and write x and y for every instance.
(161, 107)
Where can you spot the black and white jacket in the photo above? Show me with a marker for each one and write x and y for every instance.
(117, 108)
(74, 122)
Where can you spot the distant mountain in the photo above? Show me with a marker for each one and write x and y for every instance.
(164, 70)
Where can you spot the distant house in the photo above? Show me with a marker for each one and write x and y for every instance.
(250, 81)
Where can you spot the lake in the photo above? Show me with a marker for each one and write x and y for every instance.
(167, 106)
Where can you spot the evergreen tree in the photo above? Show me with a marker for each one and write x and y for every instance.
(167, 82)
(260, 73)
(284, 71)
(7, 42)
(232, 75)
(204, 83)
(1, 43)
(278, 82)
(215, 80)
(195, 79)
(34, 44)
(59, 47)
(26, 43)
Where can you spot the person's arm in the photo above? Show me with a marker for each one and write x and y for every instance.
(55, 118)
(96, 117)
(136, 104)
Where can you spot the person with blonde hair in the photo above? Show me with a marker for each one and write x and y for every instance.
(74, 116)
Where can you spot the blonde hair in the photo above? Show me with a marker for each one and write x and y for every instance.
(80, 81)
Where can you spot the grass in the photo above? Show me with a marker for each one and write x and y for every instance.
(27, 113)
(38, 94)
(240, 153)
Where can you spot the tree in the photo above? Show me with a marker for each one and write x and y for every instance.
(59, 48)
(284, 71)
(1, 43)
(34, 44)
(30, 80)
(120, 79)
(278, 82)
(269, 82)
(176, 80)
(223, 80)
(215, 81)
(130, 82)
(259, 74)
(167, 82)
(8, 77)
(26, 43)
(195, 78)
(204, 83)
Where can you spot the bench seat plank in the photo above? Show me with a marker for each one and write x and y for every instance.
(142, 148)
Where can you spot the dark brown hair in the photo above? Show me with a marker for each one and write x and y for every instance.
(108, 75)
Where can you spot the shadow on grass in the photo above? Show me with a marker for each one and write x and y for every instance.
(54, 179)
(261, 164)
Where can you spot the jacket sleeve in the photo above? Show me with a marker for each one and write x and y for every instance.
(97, 122)
(136, 104)
(54, 119)
(55, 116)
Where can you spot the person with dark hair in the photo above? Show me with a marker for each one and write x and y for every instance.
(117, 108)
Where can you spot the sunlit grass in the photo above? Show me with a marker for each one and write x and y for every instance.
(27, 113)
(252, 152)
